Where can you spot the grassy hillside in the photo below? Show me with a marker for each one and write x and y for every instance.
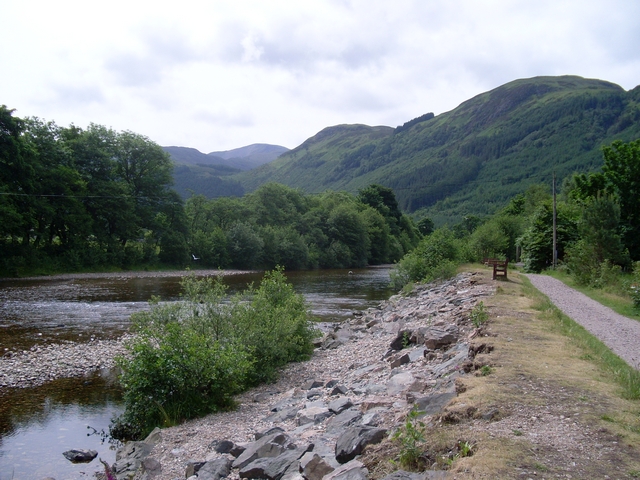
(472, 159)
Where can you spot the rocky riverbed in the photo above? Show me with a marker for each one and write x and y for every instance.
(363, 379)
(41, 364)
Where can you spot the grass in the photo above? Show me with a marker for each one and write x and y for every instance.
(616, 301)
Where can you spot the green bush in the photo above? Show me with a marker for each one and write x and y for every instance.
(436, 257)
(190, 357)
(634, 289)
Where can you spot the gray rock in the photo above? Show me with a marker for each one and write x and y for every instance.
(80, 455)
(313, 415)
(402, 340)
(353, 470)
(282, 415)
(215, 469)
(267, 446)
(271, 431)
(311, 384)
(433, 404)
(339, 390)
(343, 420)
(340, 405)
(193, 467)
(435, 338)
(313, 466)
(400, 383)
(151, 468)
(222, 446)
(351, 443)
(271, 468)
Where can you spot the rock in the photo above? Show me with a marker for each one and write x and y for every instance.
(339, 390)
(151, 467)
(193, 467)
(343, 420)
(271, 468)
(340, 405)
(215, 469)
(271, 431)
(222, 446)
(435, 338)
(400, 383)
(267, 446)
(353, 470)
(354, 439)
(398, 361)
(433, 404)
(80, 456)
(311, 384)
(402, 340)
(313, 466)
(282, 415)
(313, 415)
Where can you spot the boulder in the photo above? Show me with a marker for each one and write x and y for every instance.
(434, 403)
(340, 405)
(353, 470)
(402, 340)
(80, 455)
(343, 420)
(314, 467)
(435, 338)
(215, 469)
(313, 415)
(271, 468)
(267, 446)
(352, 442)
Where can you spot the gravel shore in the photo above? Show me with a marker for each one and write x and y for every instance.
(621, 334)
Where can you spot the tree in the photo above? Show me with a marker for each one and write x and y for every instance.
(622, 171)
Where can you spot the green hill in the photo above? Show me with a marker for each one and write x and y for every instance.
(472, 159)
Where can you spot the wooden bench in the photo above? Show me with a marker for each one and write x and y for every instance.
(500, 268)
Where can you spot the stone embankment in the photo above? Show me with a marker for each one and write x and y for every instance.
(363, 379)
(41, 364)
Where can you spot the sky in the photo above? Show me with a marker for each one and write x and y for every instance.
(221, 74)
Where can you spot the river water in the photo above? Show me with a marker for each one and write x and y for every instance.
(38, 424)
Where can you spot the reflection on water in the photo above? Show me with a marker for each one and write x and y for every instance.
(37, 425)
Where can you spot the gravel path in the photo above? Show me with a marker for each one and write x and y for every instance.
(621, 334)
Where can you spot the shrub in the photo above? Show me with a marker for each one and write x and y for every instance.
(190, 357)
(635, 286)
(433, 259)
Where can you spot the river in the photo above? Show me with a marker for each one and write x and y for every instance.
(38, 424)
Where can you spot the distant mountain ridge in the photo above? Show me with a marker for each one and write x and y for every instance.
(243, 158)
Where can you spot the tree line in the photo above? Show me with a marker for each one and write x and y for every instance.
(76, 199)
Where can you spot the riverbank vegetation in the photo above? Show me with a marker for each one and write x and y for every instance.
(96, 199)
(190, 357)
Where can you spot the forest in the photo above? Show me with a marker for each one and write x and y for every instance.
(75, 199)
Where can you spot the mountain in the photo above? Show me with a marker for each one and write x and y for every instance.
(470, 160)
(208, 173)
(243, 158)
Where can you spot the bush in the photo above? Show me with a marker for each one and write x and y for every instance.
(635, 286)
(436, 257)
(190, 357)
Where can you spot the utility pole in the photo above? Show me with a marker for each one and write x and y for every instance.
(555, 237)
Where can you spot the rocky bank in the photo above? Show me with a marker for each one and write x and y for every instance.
(364, 377)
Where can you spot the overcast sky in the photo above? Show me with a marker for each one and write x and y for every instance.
(221, 74)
